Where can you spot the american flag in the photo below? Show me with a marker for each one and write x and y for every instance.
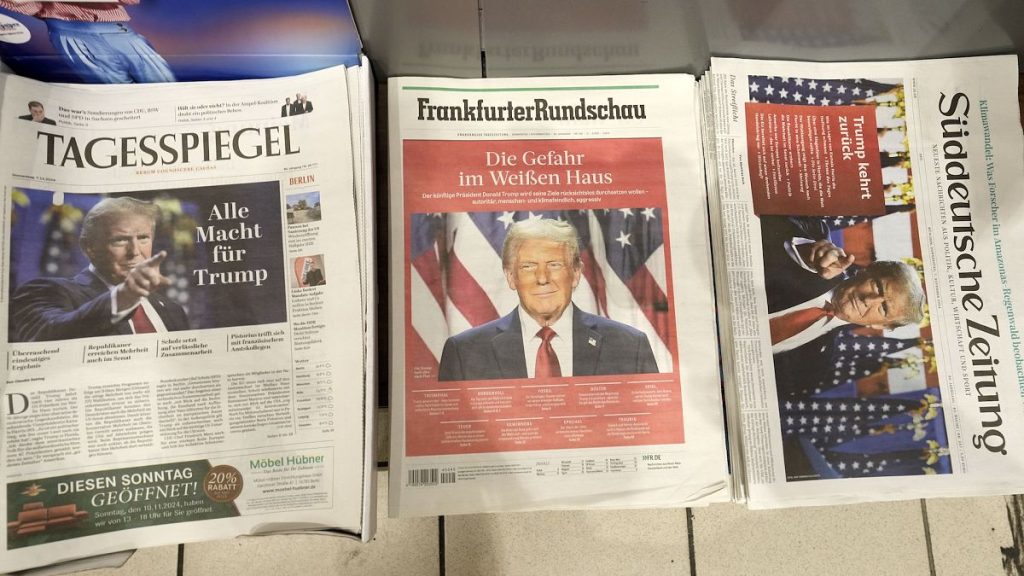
(889, 435)
(457, 282)
(853, 358)
(886, 99)
(812, 92)
(869, 416)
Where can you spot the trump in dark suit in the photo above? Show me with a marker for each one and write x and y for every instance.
(804, 271)
(787, 282)
(545, 336)
(116, 294)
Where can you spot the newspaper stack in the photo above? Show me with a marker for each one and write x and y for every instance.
(868, 261)
(188, 306)
(553, 329)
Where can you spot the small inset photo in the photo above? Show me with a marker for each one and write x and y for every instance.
(299, 105)
(303, 207)
(308, 271)
(37, 113)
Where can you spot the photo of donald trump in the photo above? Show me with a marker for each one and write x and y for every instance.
(546, 335)
(119, 293)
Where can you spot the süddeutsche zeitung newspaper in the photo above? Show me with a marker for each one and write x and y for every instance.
(869, 260)
(178, 267)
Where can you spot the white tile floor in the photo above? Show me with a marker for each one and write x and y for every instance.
(961, 526)
(969, 536)
(863, 539)
(650, 542)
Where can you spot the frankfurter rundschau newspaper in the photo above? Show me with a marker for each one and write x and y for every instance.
(553, 332)
(870, 265)
(181, 315)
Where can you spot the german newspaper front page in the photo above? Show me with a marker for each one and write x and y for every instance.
(179, 305)
(553, 331)
(869, 260)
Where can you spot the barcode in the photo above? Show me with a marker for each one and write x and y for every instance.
(448, 477)
(423, 477)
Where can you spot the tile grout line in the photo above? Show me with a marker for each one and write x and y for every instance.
(928, 537)
(181, 560)
(1013, 555)
(690, 542)
(440, 545)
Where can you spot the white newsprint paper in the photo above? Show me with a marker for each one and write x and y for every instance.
(184, 333)
(553, 339)
(870, 261)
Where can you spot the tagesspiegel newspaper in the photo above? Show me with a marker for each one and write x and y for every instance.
(867, 236)
(553, 341)
(177, 280)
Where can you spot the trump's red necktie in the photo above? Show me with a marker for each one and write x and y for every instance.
(141, 322)
(788, 325)
(547, 362)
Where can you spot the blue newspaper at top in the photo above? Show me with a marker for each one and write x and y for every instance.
(126, 41)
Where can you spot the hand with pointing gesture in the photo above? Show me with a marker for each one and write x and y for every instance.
(143, 279)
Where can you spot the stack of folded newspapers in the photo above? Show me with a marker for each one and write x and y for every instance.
(555, 342)
(868, 261)
(188, 307)
(553, 322)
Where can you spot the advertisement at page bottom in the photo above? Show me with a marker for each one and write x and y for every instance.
(46, 510)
